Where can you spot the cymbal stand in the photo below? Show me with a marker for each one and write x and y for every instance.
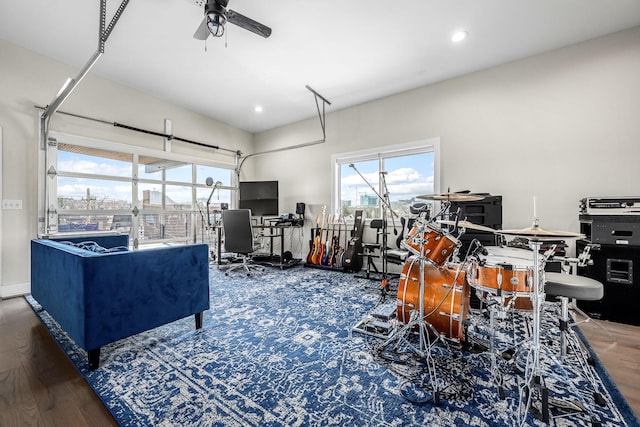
(533, 377)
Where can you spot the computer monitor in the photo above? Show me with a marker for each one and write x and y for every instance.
(259, 196)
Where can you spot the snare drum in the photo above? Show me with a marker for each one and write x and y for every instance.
(509, 252)
(431, 243)
(446, 296)
(503, 275)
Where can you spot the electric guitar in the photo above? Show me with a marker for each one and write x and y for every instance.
(353, 253)
(335, 244)
(341, 248)
(328, 253)
(400, 238)
(323, 248)
(315, 244)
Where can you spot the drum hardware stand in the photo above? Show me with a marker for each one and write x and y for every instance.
(495, 376)
(533, 379)
(425, 343)
(569, 339)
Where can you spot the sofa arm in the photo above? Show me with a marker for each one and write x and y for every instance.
(129, 292)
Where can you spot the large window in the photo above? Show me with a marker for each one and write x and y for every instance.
(398, 174)
(155, 198)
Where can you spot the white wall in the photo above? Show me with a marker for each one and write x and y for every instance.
(559, 126)
(29, 79)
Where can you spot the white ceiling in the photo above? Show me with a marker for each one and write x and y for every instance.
(349, 51)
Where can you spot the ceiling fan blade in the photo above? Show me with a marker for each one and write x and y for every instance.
(202, 32)
(248, 23)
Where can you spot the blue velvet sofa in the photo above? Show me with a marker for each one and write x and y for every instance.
(102, 292)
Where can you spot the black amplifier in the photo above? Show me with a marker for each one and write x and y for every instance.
(610, 205)
(618, 269)
(611, 229)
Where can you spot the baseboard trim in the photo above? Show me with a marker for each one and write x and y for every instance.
(8, 291)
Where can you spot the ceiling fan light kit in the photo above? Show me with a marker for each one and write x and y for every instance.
(216, 16)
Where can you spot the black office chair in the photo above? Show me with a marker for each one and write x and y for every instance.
(238, 238)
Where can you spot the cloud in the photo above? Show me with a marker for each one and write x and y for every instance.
(402, 183)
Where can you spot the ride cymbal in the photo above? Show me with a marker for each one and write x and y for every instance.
(541, 233)
(451, 197)
(467, 224)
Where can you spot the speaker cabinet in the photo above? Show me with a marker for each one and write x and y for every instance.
(618, 269)
(486, 212)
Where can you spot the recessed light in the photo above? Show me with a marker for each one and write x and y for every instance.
(258, 108)
(458, 36)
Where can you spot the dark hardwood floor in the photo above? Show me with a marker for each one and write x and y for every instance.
(40, 387)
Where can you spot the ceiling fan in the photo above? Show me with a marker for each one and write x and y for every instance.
(216, 16)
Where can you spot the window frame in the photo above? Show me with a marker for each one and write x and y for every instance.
(431, 145)
(48, 203)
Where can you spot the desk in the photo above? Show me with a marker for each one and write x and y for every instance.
(277, 229)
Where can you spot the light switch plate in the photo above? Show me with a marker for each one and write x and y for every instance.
(12, 204)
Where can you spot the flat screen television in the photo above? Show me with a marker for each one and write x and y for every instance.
(259, 196)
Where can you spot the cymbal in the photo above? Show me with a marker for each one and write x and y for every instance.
(541, 234)
(451, 197)
(467, 224)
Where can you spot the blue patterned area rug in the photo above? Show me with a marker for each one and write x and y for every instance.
(278, 349)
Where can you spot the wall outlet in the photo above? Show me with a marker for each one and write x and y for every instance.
(12, 204)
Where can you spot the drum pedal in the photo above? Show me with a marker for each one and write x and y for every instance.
(508, 354)
(569, 405)
(385, 312)
(378, 327)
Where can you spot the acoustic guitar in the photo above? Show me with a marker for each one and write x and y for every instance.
(353, 253)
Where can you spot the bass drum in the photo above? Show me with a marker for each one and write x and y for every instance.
(446, 296)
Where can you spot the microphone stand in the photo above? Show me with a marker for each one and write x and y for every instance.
(218, 183)
(385, 205)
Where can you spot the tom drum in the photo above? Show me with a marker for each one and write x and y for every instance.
(425, 240)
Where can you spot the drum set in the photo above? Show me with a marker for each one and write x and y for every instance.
(434, 291)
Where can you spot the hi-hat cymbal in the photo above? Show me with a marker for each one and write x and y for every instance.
(467, 224)
(451, 197)
(541, 234)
